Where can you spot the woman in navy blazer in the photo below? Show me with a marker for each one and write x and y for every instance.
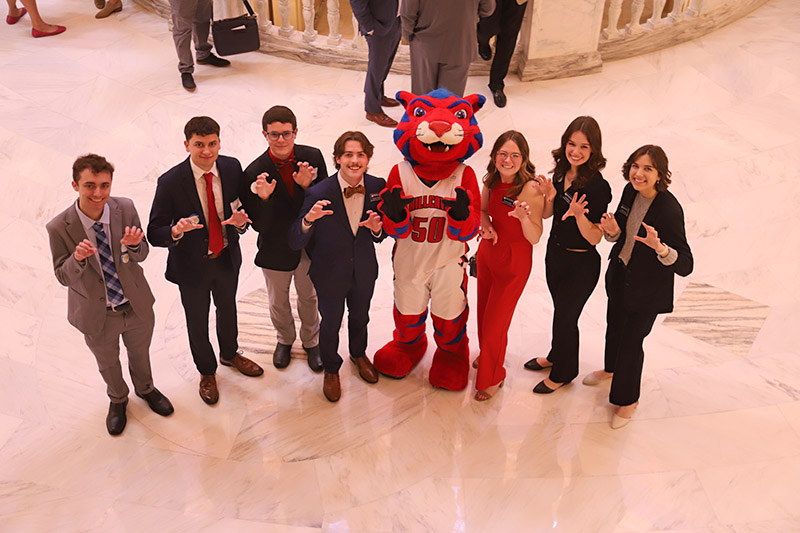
(650, 248)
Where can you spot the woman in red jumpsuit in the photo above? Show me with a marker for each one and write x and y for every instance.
(511, 223)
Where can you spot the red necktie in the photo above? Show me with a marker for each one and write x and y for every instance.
(215, 243)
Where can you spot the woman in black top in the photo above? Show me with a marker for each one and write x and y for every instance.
(576, 199)
(650, 248)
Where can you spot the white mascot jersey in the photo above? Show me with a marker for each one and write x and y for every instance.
(427, 248)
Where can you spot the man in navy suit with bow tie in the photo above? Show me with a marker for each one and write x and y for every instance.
(339, 225)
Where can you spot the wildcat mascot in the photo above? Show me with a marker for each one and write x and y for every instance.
(431, 206)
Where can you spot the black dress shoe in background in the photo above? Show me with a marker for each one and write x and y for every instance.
(116, 418)
(214, 61)
(157, 402)
(187, 80)
(282, 355)
(485, 51)
(314, 358)
(499, 98)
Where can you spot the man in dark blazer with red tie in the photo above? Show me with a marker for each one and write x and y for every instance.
(196, 215)
(273, 191)
(379, 23)
(339, 225)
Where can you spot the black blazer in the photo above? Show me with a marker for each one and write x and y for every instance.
(378, 16)
(336, 254)
(176, 198)
(273, 217)
(649, 285)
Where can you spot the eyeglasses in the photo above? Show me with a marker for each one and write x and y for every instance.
(285, 135)
(505, 155)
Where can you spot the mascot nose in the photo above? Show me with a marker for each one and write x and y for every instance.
(440, 127)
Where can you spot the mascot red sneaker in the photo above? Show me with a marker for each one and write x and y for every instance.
(431, 206)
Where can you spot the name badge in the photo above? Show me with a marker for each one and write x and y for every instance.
(509, 201)
(624, 210)
(375, 197)
(567, 197)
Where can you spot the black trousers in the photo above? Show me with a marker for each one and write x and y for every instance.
(357, 295)
(381, 49)
(571, 278)
(505, 22)
(625, 334)
(220, 282)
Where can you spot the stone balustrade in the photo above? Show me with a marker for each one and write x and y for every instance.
(559, 38)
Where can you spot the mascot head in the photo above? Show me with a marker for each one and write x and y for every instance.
(438, 131)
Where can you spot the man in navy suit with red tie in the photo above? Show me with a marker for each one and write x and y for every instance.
(196, 215)
(339, 225)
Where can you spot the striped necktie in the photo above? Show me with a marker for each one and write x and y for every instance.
(113, 286)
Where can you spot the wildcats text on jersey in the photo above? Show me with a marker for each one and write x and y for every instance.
(429, 202)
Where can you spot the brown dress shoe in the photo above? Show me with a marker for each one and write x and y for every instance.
(382, 119)
(208, 389)
(365, 369)
(389, 102)
(331, 387)
(243, 365)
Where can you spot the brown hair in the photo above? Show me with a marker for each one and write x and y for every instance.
(201, 126)
(526, 170)
(95, 163)
(660, 163)
(338, 146)
(278, 113)
(589, 127)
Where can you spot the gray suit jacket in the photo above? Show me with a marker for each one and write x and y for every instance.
(86, 298)
(445, 28)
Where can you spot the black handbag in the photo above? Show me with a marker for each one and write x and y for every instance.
(236, 35)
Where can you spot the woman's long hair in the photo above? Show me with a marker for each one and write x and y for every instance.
(526, 170)
(589, 127)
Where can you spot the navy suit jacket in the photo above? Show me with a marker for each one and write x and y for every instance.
(649, 285)
(176, 197)
(273, 217)
(337, 256)
(378, 16)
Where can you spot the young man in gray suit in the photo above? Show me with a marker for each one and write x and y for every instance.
(97, 244)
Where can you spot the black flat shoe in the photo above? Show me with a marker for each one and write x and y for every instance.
(533, 364)
(541, 388)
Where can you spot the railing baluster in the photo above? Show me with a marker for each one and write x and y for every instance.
(334, 37)
(634, 26)
(285, 10)
(614, 10)
(308, 19)
(656, 19)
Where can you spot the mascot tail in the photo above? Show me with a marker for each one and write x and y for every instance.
(399, 357)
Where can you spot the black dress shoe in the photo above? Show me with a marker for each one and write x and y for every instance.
(187, 80)
(116, 419)
(314, 358)
(214, 61)
(533, 364)
(159, 403)
(485, 51)
(499, 98)
(282, 355)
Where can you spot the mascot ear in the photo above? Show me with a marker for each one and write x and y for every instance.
(476, 100)
(404, 97)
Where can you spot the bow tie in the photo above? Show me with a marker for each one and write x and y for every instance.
(350, 191)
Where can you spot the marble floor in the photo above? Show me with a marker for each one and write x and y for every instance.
(713, 448)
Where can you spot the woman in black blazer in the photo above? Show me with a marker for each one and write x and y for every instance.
(650, 248)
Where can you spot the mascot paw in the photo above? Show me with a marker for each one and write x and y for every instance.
(449, 370)
(398, 359)
(459, 209)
